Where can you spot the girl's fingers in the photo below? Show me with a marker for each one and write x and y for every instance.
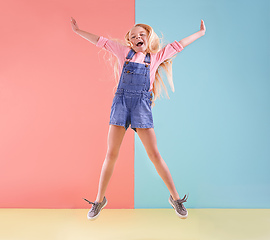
(74, 24)
(202, 24)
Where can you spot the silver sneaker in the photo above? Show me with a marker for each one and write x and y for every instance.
(178, 206)
(96, 208)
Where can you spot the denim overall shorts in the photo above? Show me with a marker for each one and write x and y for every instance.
(132, 101)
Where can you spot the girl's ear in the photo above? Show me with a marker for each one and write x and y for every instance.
(127, 40)
(130, 44)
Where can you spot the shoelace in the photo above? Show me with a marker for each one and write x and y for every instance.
(180, 201)
(94, 204)
(183, 200)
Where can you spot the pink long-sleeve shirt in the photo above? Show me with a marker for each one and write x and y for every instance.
(121, 51)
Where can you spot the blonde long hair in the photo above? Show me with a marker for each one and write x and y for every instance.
(154, 45)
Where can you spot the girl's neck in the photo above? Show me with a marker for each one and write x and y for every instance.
(140, 52)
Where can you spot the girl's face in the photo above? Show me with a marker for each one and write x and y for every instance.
(138, 36)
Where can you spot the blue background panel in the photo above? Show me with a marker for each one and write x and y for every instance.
(214, 131)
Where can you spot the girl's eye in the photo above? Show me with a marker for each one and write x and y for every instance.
(133, 37)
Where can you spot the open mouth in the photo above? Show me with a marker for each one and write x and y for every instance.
(139, 44)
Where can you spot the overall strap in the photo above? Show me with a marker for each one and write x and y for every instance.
(147, 58)
(130, 54)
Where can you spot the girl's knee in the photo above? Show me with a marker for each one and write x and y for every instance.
(154, 155)
(112, 155)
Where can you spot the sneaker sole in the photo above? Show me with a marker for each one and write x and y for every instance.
(94, 218)
(178, 214)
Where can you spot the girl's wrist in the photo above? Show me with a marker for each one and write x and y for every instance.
(202, 32)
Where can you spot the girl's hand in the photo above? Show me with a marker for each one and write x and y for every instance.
(190, 39)
(74, 25)
(202, 27)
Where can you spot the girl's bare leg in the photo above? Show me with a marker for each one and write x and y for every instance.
(115, 137)
(148, 138)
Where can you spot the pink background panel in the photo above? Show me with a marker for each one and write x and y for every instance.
(56, 90)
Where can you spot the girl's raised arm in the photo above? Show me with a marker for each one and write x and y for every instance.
(88, 36)
(188, 40)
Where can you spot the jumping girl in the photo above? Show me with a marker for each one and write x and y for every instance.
(139, 62)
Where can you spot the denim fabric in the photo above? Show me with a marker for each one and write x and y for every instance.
(132, 101)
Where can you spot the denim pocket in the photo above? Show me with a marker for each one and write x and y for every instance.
(117, 98)
(135, 76)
